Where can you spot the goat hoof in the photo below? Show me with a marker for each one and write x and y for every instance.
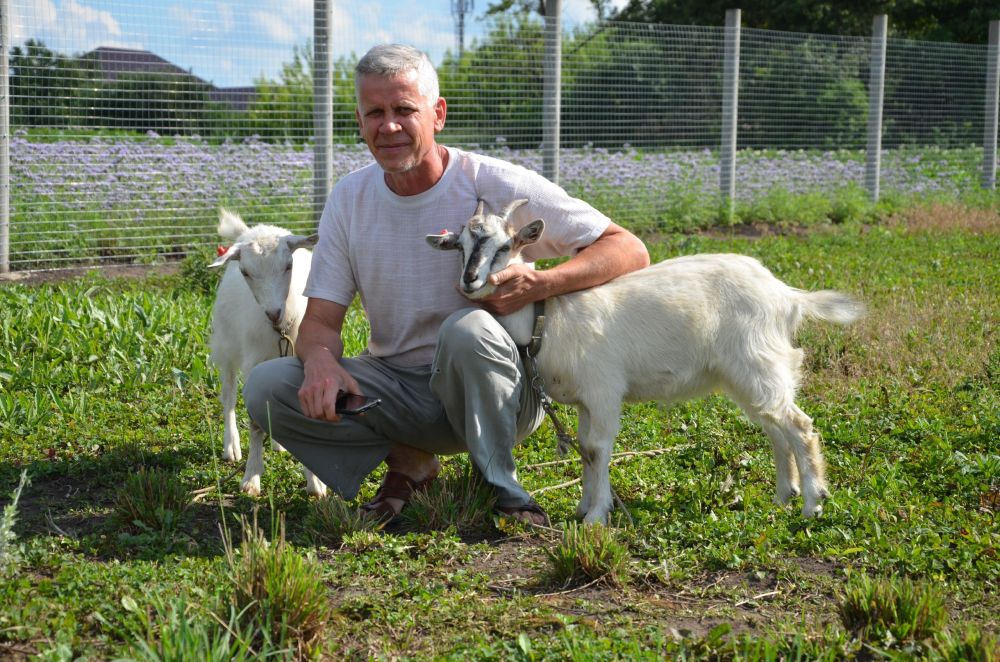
(316, 490)
(231, 457)
(251, 487)
(275, 446)
(812, 511)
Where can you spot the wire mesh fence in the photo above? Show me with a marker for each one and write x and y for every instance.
(123, 151)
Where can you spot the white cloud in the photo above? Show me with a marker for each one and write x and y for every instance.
(187, 19)
(28, 19)
(90, 19)
(226, 16)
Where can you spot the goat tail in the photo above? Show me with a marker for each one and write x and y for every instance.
(231, 226)
(831, 306)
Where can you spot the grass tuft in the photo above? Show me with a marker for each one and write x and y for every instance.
(331, 519)
(152, 500)
(589, 553)
(184, 631)
(892, 611)
(277, 593)
(973, 646)
(463, 503)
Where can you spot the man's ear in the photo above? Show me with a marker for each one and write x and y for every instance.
(446, 241)
(296, 242)
(529, 234)
(232, 253)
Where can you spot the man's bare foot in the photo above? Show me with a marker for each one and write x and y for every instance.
(410, 470)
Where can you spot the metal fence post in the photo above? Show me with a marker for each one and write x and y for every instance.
(876, 96)
(730, 112)
(992, 108)
(552, 94)
(322, 104)
(4, 137)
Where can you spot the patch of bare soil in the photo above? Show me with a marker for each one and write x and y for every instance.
(947, 218)
(131, 271)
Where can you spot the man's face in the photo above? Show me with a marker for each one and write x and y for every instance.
(397, 122)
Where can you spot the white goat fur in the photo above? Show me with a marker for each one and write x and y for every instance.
(676, 330)
(259, 298)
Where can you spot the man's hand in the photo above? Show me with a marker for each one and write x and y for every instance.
(516, 286)
(325, 379)
(319, 348)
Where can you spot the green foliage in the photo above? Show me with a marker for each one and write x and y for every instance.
(277, 592)
(589, 553)
(892, 611)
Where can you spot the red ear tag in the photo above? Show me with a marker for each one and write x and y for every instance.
(221, 250)
(444, 232)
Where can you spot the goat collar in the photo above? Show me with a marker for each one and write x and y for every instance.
(537, 330)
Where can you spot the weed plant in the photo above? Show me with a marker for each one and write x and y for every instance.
(10, 549)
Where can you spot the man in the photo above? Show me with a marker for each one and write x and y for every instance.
(450, 378)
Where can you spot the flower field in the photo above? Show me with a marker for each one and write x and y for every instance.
(126, 199)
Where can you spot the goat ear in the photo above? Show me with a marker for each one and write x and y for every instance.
(296, 242)
(233, 253)
(446, 241)
(530, 233)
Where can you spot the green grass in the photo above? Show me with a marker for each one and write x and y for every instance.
(101, 378)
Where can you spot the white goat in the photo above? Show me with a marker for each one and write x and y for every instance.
(672, 331)
(259, 300)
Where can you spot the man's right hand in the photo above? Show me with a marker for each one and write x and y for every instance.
(325, 379)
(319, 348)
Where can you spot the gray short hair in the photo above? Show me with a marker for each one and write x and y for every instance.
(391, 60)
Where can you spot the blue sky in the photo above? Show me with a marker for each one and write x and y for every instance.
(233, 42)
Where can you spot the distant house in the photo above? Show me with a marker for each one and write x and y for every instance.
(114, 62)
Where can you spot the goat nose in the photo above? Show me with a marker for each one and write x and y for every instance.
(273, 315)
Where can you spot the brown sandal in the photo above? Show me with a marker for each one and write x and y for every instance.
(394, 486)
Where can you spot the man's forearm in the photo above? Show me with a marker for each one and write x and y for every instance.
(318, 341)
(609, 257)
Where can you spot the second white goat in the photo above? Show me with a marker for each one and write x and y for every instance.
(675, 330)
(259, 302)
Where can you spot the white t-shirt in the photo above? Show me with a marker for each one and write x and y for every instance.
(371, 242)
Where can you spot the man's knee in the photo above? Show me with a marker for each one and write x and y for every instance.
(268, 384)
(465, 332)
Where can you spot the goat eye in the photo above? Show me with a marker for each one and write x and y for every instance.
(288, 268)
(246, 275)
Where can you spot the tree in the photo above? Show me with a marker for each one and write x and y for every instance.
(48, 88)
(964, 21)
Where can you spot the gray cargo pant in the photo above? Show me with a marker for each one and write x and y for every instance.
(473, 398)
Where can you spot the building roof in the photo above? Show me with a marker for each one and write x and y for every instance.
(113, 62)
